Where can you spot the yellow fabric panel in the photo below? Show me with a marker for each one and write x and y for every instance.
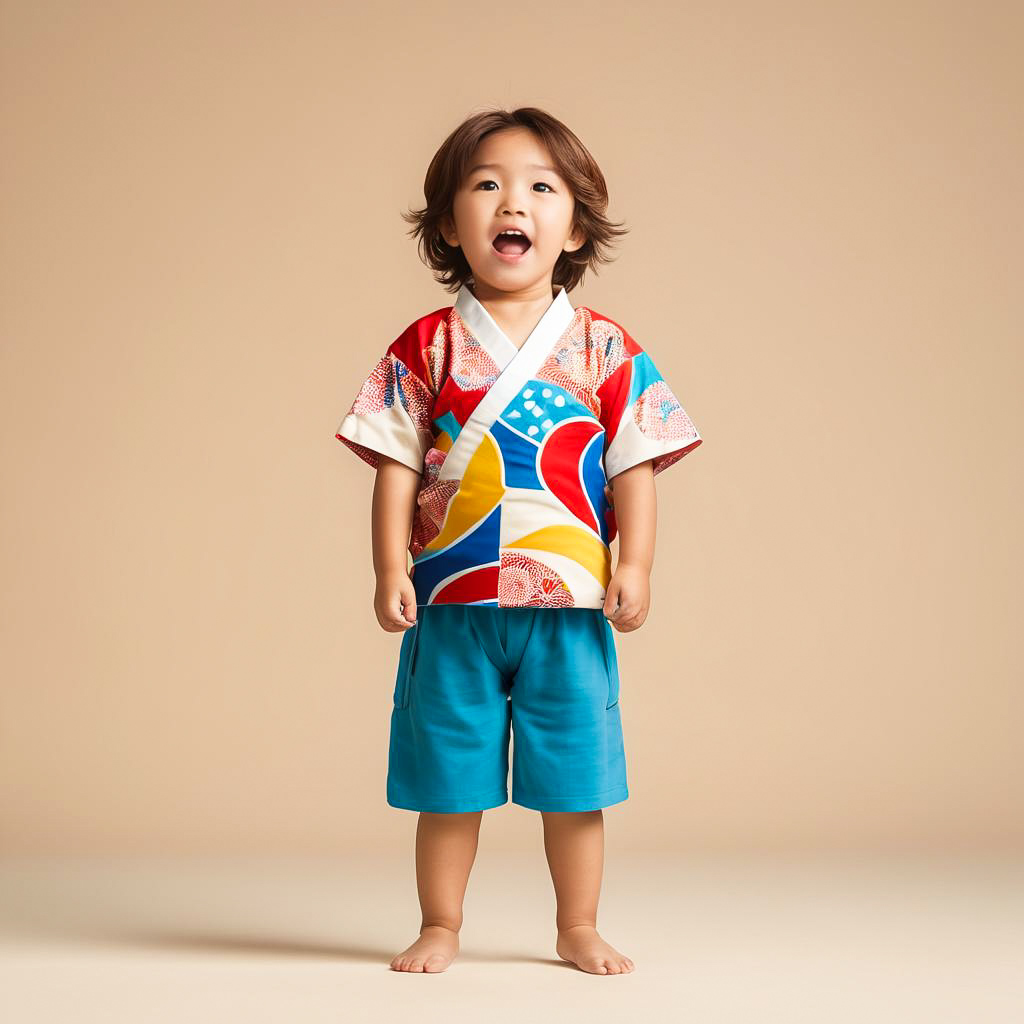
(479, 493)
(574, 542)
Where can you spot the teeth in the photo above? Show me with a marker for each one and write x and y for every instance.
(510, 231)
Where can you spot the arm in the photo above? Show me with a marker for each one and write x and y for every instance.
(636, 513)
(394, 504)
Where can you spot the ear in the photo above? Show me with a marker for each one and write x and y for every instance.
(575, 241)
(448, 233)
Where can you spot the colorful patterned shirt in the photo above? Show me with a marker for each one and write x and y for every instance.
(516, 447)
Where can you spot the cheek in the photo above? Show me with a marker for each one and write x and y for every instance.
(555, 222)
(471, 220)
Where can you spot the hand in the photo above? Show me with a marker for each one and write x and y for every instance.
(628, 597)
(394, 601)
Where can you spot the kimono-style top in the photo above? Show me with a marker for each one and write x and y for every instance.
(515, 447)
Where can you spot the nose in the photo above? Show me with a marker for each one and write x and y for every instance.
(514, 201)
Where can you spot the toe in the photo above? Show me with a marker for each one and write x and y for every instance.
(416, 965)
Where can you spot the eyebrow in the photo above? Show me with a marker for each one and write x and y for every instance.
(498, 167)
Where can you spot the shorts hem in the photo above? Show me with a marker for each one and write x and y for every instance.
(440, 805)
(573, 803)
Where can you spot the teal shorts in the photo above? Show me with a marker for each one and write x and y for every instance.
(472, 676)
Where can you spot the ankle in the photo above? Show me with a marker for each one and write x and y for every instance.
(448, 926)
(570, 925)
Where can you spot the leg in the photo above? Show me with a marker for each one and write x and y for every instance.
(574, 844)
(446, 847)
(448, 761)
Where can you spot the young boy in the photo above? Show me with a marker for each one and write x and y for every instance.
(495, 425)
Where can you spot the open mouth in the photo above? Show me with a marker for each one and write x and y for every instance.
(511, 242)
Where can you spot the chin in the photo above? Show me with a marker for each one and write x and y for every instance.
(520, 275)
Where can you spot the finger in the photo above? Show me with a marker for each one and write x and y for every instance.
(394, 619)
(627, 610)
(631, 618)
(641, 617)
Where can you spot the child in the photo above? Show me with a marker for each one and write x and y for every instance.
(495, 425)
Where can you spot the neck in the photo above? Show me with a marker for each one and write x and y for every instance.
(518, 312)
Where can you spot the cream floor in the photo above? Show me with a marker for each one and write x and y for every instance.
(715, 939)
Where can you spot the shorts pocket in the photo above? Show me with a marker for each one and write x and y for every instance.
(407, 664)
(611, 662)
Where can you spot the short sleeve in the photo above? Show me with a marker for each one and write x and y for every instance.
(391, 414)
(641, 415)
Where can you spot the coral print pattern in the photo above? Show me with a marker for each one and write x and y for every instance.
(516, 447)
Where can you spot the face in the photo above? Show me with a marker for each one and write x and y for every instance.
(512, 183)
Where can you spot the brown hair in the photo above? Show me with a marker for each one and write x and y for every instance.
(575, 164)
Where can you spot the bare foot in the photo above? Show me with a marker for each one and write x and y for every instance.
(432, 952)
(582, 946)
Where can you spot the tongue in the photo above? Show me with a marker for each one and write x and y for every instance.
(511, 245)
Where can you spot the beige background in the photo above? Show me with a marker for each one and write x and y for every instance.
(202, 257)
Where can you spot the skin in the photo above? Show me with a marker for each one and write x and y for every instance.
(512, 191)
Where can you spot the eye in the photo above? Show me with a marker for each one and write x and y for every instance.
(545, 184)
(487, 182)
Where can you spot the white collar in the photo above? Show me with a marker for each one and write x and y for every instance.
(551, 326)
